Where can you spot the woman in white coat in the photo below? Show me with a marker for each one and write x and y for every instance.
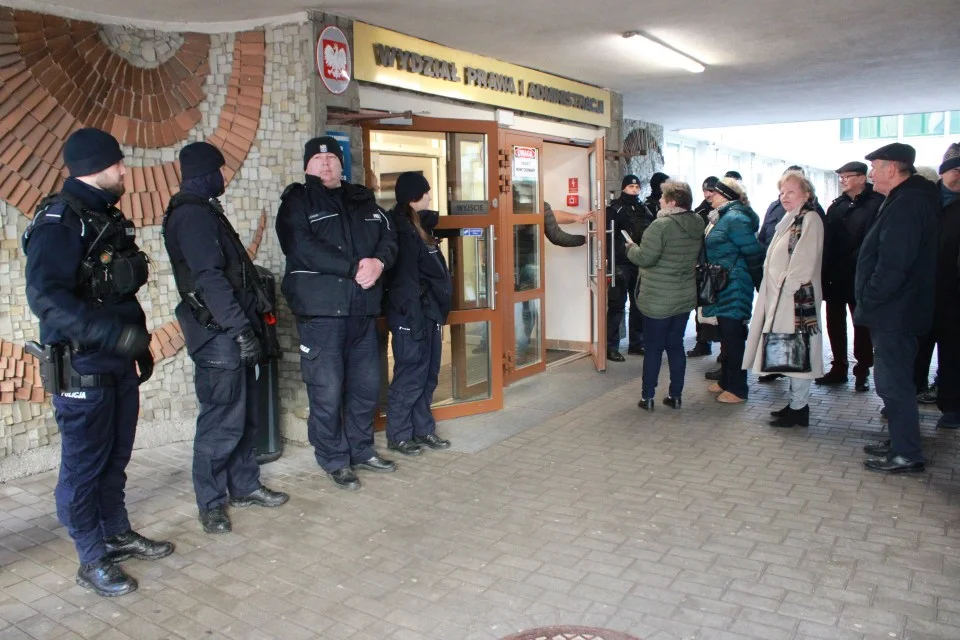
(791, 293)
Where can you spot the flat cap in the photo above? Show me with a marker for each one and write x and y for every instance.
(894, 152)
(853, 167)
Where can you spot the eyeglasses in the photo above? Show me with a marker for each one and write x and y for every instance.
(850, 176)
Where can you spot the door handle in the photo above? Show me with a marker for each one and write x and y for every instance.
(613, 267)
(492, 268)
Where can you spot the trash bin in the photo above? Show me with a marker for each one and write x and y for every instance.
(267, 444)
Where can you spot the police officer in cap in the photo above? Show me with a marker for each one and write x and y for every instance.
(221, 312)
(626, 213)
(338, 242)
(83, 273)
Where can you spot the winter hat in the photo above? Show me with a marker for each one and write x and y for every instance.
(411, 185)
(628, 180)
(951, 159)
(726, 192)
(710, 184)
(323, 144)
(90, 151)
(658, 179)
(733, 174)
(199, 159)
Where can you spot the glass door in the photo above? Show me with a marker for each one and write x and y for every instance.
(597, 243)
(522, 222)
(458, 158)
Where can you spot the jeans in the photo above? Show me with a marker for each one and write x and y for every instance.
(837, 331)
(894, 357)
(733, 341)
(664, 334)
(799, 392)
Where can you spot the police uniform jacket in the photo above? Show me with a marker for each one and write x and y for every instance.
(847, 222)
(324, 234)
(198, 240)
(418, 286)
(627, 213)
(58, 292)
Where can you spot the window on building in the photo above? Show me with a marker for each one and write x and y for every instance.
(923, 124)
(955, 122)
(846, 129)
(878, 127)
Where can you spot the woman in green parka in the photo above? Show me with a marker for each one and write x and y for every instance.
(667, 288)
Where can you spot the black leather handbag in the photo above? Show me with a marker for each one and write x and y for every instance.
(785, 352)
(711, 279)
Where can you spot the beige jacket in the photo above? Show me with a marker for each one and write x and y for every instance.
(783, 274)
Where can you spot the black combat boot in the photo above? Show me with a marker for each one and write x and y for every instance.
(131, 544)
(105, 579)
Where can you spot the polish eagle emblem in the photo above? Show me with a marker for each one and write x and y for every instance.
(335, 61)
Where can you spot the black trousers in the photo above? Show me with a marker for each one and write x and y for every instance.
(837, 331)
(416, 371)
(948, 372)
(921, 366)
(733, 343)
(625, 289)
(895, 356)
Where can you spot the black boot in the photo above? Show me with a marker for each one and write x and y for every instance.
(131, 544)
(647, 405)
(836, 375)
(405, 447)
(216, 520)
(673, 402)
(614, 356)
(781, 412)
(701, 349)
(713, 375)
(262, 497)
(105, 579)
(793, 418)
(861, 382)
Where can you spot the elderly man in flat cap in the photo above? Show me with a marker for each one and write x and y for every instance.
(894, 290)
(849, 218)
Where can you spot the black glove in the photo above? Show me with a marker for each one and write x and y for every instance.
(145, 364)
(251, 352)
(133, 341)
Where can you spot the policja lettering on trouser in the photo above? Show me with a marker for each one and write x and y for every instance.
(83, 272)
(418, 302)
(338, 242)
(221, 314)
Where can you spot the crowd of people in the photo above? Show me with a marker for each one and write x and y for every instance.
(887, 250)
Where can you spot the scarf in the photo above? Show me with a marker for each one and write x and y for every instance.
(804, 300)
(669, 211)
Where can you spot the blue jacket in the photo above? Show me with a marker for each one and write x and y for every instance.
(733, 244)
(895, 283)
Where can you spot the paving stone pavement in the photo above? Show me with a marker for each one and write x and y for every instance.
(702, 523)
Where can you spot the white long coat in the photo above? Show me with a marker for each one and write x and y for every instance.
(783, 275)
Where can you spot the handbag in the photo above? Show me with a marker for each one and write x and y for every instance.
(785, 352)
(711, 279)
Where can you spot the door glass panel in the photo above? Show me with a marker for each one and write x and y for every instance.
(526, 257)
(526, 329)
(467, 258)
(394, 152)
(467, 175)
(526, 180)
(464, 364)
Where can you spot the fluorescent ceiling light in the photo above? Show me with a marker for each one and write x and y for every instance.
(663, 53)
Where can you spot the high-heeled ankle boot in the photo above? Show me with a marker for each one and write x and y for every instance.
(793, 418)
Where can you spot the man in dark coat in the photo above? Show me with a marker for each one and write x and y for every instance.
(894, 290)
(947, 314)
(848, 219)
(653, 200)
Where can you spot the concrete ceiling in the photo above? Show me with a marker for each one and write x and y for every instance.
(767, 60)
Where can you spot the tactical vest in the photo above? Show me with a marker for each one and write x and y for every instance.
(113, 265)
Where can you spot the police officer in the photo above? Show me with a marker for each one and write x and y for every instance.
(418, 302)
(220, 313)
(626, 213)
(83, 272)
(338, 242)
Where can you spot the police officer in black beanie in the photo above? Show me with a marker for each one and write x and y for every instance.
(83, 273)
(221, 311)
(338, 242)
(626, 213)
(653, 200)
(418, 301)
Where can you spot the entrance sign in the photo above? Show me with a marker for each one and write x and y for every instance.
(389, 58)
(469, 207)
(333, 60)
(472, 232)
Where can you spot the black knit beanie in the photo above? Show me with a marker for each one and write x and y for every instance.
(323, 144)
(628, 180)
(411, 186)
(199, 159)
(90, 151)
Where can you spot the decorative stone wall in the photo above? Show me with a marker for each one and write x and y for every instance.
(646, 137)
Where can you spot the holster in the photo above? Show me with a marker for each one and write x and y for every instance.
(57, 372)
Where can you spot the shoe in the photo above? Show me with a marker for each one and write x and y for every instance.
(894, 464)
(216, 520)
(883, 414)
(728, 398)
(770, 377)
(105, 579)
(674, 403)
(405, 448)
(635, 351)
(615, 356)
(928, 396)
(860, 385)
(949, 421)
(713, 375)
(700, 349)
(131, 544)
(881, 449)
(836, 375)
(262, 497)
(432, 441)
(377, 465)
(781, 412)
(793, 418)
(647, 405)
(345, 478)
(715, 388)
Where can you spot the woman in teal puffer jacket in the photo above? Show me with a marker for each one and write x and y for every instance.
(733, 244)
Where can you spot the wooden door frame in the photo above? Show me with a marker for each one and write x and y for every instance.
(599, 288)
